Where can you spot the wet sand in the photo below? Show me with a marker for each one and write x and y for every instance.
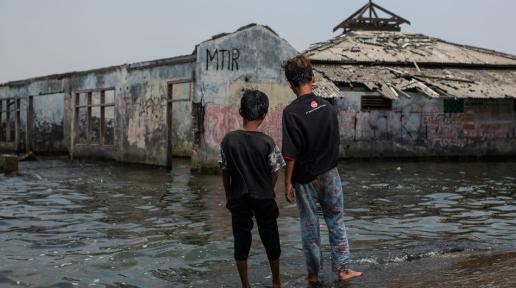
(492, 269)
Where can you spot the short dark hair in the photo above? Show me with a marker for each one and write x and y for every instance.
(254, 105)
(298, 70)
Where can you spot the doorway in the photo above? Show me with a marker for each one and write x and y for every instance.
(179, 119)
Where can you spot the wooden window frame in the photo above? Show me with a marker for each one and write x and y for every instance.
(89, 106)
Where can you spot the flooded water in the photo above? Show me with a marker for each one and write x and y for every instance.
(74, 224)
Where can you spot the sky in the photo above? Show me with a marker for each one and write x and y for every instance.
(41, 37)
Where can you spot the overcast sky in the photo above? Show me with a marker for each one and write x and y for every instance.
(40, 37)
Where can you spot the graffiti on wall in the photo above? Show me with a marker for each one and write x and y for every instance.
(222, 59)
(424, 130)
(272, 125)
(148, 119)
(220, 120)
(223, 119)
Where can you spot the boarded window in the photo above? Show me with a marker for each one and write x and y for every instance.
(109, 97)
(181, 91)
(95, 117)
(109, 125)
(11, 105)
(369, 103)
(453, 105)
(95, 125)
(9, 109)
(83, 125)
(82, 117)
(95, 98)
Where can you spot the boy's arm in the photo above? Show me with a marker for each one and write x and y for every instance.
(276, 162)
(275, 176)
(292, 143)
(226, 180)
(289, 190)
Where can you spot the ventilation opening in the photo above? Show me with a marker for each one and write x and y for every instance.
(369, 103)
(453, 106)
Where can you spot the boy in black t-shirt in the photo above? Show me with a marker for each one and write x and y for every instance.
(250, 162)
(311, 147)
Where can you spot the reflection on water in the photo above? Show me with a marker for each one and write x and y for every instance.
(68, 224)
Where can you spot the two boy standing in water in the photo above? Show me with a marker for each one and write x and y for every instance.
(251, 162)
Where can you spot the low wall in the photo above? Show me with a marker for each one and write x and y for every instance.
(8, 163)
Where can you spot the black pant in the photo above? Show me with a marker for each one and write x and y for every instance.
(266, 212)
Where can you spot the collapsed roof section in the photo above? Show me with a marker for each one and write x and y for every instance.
(392, 82)
(394, 63)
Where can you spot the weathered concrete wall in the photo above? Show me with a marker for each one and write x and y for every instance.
(39, 123)
(54, 111)
(8, 143)
(84, 142)
(48, 123)
(418, 127)
(145, 138)
(250, 58)
(184, 106)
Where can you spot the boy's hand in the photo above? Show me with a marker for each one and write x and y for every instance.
(289, 193)
(289, 190)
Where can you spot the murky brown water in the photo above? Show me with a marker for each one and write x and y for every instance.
(72, 224)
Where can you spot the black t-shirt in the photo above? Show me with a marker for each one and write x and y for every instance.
(311, 137)
(250, 157)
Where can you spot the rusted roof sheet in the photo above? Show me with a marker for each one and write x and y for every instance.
(433, 82)
(402, 47)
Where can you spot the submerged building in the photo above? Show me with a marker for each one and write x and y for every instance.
(398, 94)
(149, 112)
(402, 94)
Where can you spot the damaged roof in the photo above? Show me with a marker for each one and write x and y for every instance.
(393, 62)
(402, 47)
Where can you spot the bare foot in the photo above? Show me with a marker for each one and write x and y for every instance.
(312, 278)
(276, 285)
(348, 274)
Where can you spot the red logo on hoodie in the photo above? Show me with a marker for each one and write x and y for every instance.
(314, 104)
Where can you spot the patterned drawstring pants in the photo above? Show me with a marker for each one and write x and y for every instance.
(326, 190)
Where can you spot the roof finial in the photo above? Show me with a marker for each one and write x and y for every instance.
(370, 8)
(360, 21)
